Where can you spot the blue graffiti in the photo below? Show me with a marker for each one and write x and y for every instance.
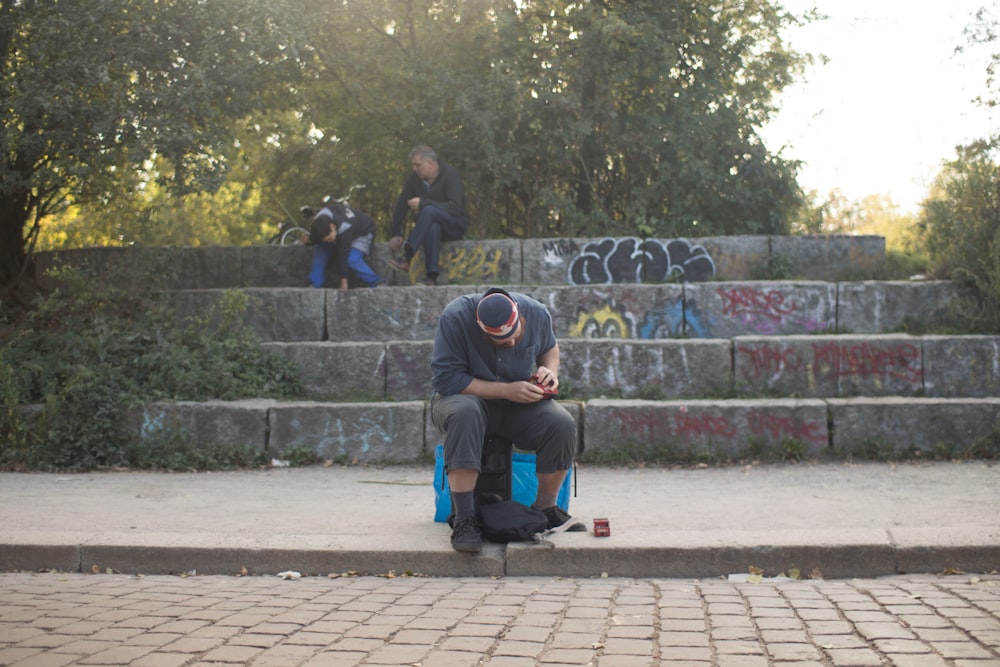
(667, 323)
(151, 424)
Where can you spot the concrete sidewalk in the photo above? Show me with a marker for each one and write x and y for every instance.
(835, 520)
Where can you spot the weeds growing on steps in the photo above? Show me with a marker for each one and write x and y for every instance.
(93, 348)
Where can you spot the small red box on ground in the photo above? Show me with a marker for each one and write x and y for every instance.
(602, 528)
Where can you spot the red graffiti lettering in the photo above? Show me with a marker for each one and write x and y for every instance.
(752, 301)
(638, 424)
(693, 426)
(771, 360)
(866, 360)
(762, 423)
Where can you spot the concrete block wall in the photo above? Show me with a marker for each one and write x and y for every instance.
(552, 261)
(635, 312)
(668, 345)
(744, 366)
(401, 432)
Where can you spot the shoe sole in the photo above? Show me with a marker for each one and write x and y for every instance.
(399, 268)
(470, 548)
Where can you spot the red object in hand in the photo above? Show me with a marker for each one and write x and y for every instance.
(549, 390)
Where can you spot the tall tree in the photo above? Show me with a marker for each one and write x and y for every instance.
(92, 90)
(582, 117)
(655, 105)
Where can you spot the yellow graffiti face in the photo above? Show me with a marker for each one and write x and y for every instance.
(601, 323)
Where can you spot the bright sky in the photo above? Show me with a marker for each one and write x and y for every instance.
(891, 104)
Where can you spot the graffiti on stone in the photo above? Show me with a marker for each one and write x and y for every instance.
(779, 427)
(865, 360)
(555, 251)
(754, 303)
(633, 260)
(767, 311)
(770, 360)
(472, 264)
(834, 360)
(689, 427)
(665, 323)
(603, 322)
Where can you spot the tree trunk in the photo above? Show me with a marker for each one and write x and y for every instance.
(17, 270)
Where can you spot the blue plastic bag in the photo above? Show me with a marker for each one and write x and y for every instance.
(524, 484)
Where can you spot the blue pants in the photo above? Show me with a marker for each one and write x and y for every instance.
(431, 228)
(322, 255)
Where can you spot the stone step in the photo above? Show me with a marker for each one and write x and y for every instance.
(820, 366)
(547, 261)
(636, 312)
(653, 333)
(401, 432)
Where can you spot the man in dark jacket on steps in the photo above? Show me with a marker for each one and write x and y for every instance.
(433, 193)
(495, 362)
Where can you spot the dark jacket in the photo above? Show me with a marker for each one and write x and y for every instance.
(463, 352)
(354, 230)
(446, 193)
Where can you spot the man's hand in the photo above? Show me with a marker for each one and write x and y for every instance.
(413, 203)
(524, 391)
(396, 242)
(547, 377)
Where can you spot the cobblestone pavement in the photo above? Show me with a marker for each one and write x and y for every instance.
(167, 621)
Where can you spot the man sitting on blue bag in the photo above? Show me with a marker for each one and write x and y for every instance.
(495, 362)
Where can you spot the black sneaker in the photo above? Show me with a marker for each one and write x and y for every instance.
(465, 534)
(557, 516)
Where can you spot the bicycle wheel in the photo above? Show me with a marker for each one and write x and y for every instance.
(294, 236)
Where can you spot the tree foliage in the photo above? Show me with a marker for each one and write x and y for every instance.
(92, 90)
(960, 219)
(961, 226)
(564, 117)
(94, 347)
(591, 117)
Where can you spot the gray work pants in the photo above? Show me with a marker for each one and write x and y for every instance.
(545, 428)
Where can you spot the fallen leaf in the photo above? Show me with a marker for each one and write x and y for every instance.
(753, 569)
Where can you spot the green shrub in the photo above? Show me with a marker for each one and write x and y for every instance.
(961, 231)
(93, 348)
(773, 267)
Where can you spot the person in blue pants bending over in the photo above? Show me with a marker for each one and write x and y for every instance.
(345, 233)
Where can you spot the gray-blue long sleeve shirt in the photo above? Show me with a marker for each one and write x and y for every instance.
(462, 351)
